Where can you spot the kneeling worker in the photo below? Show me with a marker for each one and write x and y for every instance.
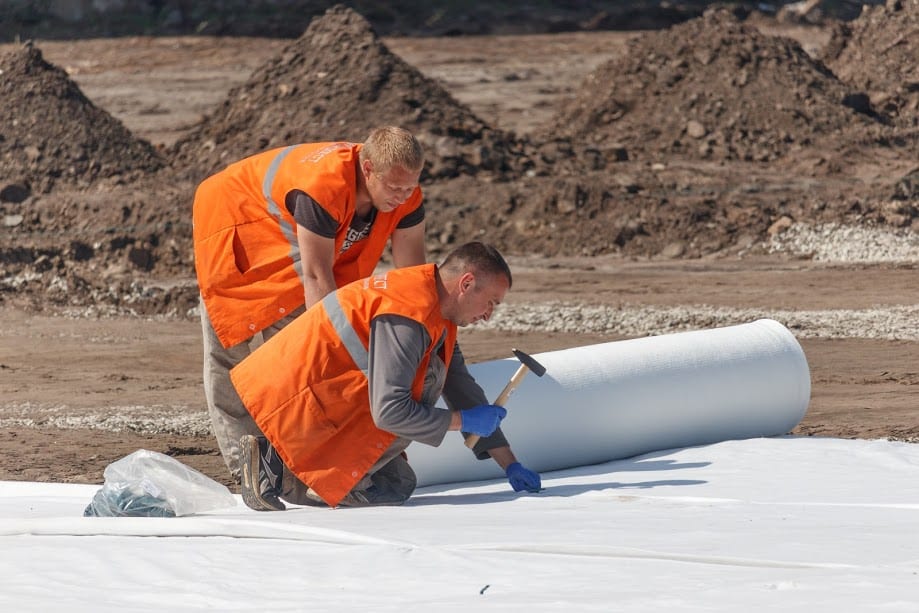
(347, 386)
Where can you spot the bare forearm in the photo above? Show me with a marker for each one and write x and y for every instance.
(317, 257)
(316, 287)
(408, 246)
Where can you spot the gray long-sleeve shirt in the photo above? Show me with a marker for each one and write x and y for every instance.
(397, 346)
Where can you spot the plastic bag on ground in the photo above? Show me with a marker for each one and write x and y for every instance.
(151, 484)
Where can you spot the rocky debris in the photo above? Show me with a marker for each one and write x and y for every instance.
(337, 82)
(883, 322)
(14, 193)
(144, 419)
(907, 189)
(833, 242)
(877, 54)
(50, 133)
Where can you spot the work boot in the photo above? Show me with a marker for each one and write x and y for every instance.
(260, 470)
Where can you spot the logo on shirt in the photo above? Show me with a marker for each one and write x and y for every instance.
(318, 155)
(354, 235)
(377, 281)
(358, 231)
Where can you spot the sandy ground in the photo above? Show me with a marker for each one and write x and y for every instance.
(80, 393)
(77, 393)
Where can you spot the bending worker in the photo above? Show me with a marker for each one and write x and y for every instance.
(277, 231)
(342, 391)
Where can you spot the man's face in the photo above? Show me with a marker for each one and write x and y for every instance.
(479, 296)
(391, 188)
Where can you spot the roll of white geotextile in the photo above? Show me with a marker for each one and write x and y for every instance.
(616, 400)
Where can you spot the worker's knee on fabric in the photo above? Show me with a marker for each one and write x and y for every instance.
(393, 484)
(398, 476)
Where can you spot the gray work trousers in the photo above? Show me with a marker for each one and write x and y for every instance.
(229, 418)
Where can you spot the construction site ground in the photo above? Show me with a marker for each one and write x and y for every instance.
(78, 392)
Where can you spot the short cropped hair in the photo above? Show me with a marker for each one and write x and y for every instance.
(390, 146)
(479, 257)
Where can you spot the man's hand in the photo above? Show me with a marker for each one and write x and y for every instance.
(522, 478)
(482, 420)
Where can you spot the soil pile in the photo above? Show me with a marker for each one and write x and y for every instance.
(877, 54)
(712, 88)
(81, 203)
(51, 133)
(337, 82)
(701, 140)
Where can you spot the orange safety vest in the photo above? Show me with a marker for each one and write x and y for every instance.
(245, 240)
(307, 387)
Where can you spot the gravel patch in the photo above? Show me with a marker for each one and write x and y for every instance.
(839, 243)
(887, 323)
(152, 419)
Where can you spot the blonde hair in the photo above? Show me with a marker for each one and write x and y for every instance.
(390, 146)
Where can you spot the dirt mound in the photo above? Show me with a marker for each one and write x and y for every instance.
(877, 54)
(702, 140)
(712, 88)
(82, 202)
(336, 82)
(51, 133)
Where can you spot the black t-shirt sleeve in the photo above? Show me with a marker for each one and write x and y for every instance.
(412, 219)
(309, 214)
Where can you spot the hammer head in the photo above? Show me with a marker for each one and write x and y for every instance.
(527, 360)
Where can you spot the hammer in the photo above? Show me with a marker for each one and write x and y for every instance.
(526, 363)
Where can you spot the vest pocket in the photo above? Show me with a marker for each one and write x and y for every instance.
(302, 424)
(240, 257)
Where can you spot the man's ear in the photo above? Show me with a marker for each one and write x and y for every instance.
(467, 281)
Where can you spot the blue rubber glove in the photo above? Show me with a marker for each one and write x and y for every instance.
(483, 419)
(522, 478)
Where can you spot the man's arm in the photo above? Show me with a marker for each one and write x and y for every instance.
(408, 246)
(397, 347)
(462, 391)
(317, 256)
(316, 230)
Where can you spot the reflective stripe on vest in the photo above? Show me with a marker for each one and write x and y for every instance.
(346, 332)
(289, 232)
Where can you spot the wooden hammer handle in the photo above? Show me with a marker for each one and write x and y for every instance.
(501, 400)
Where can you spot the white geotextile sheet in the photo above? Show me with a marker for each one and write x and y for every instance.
(790, 524)
(615, 400)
